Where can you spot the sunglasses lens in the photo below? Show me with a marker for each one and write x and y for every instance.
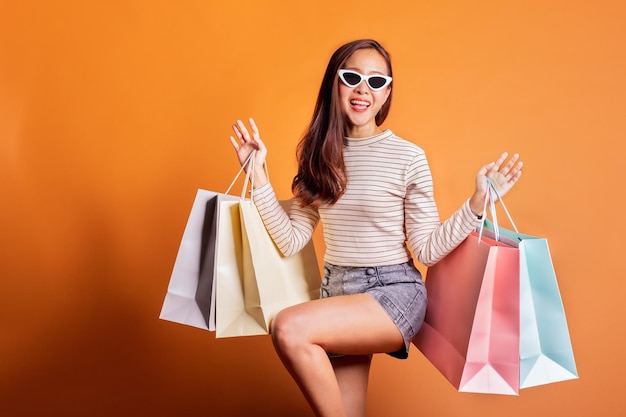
(351, 78)
(377, 82)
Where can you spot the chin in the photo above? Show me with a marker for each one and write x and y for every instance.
(362, 120)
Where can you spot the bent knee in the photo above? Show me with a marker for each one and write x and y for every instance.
(287, 329)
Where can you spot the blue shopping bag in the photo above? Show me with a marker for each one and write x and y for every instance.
(546, 354)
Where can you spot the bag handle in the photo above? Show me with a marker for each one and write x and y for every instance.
(239, 173)
(503, 205)
(492, 210)
(249, 178)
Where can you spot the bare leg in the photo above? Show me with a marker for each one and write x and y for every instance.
(352, 374)
(351, 325)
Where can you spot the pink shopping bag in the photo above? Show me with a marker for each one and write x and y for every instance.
(471, 331)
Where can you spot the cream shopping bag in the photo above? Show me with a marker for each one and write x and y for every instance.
(245, 303)
(272, 281)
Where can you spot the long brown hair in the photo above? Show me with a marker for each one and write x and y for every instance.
(321, 174)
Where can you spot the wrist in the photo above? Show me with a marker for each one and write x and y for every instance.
(476, 206)
(260, 177)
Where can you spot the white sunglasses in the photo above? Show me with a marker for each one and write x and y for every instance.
(375, 81)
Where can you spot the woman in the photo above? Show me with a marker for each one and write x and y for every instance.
(373, 192)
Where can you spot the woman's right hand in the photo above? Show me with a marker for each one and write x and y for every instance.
(245, 144)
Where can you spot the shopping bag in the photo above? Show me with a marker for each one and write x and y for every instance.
(471, 328)
(188, 297)
(272, 281)
(229, 298)
(247, 301)
(546, 353)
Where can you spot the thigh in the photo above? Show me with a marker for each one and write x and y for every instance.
(349, 324)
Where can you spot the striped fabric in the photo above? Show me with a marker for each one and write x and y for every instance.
(388, 201)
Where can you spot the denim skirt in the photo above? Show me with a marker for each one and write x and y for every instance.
(398, 288)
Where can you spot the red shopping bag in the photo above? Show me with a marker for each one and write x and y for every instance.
(471, 330)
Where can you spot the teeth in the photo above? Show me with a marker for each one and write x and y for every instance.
(359, 103)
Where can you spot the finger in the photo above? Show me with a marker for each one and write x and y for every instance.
(255, 129)
(510, 166)
(238, 132)
(235, 144)
(516, 172)
(486, 168)
(512, 171)
(244, 132)
(500, 160)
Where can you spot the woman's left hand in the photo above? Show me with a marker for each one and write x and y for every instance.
(503, 176)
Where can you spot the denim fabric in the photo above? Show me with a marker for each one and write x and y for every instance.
(398, 288)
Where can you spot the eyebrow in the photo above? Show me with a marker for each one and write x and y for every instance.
(359, 71)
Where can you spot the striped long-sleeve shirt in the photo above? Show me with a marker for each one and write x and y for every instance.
(388, 201)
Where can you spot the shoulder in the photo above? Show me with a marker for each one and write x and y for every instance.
(404, 147)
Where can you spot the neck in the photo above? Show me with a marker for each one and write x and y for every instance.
(367, 131)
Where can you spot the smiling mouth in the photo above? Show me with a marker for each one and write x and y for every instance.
(359, 103)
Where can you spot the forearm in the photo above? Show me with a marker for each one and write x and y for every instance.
(431, 242)
(290, 225)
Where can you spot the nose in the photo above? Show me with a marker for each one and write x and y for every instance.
(362, 87)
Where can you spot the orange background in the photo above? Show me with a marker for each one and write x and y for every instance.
(113, 113)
